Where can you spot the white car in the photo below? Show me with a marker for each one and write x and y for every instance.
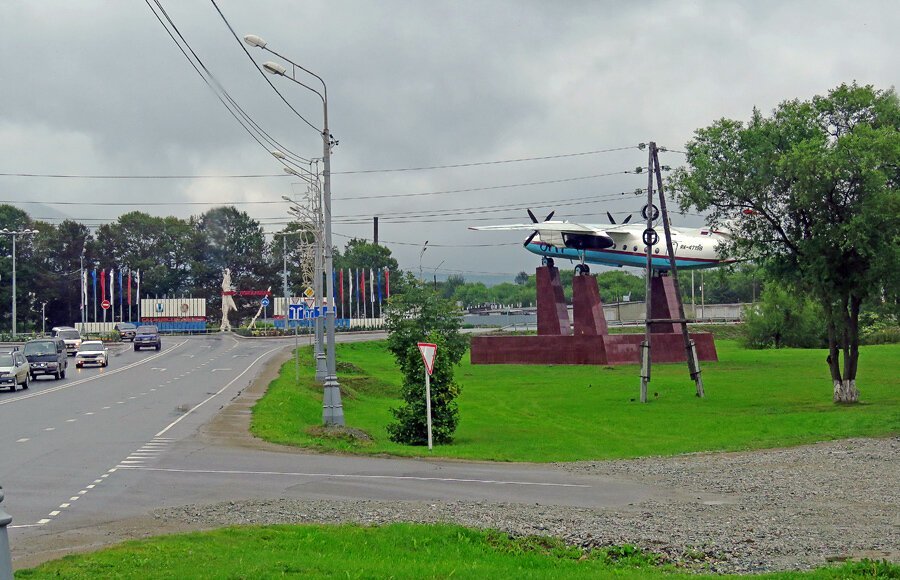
(70, 336)
(14, 370)
(92, 352)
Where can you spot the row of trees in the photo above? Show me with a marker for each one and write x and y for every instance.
(175, 257)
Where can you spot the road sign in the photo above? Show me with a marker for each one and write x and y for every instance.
(105, 305)
(309, 292)
(264, 301)
(295, 311)
(309, 300)
(428, 351)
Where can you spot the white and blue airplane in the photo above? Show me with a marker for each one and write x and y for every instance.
(617, 244)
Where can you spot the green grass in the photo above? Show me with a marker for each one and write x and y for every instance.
(394, 551)
(754, 399)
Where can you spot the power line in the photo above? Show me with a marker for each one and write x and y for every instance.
(430, 245)
(83, 176)
(274, 88)
(488, 188)
(479, 163)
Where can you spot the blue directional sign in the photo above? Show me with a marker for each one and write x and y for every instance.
(295, 311)
(264, 301)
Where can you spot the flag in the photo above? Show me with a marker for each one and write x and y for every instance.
(137, 282)
(387, 283)
(112, 287)
(102, 285)
(350, 291)
(129, 288)
(372, 287)
(341, 286)
(333, 299)
(379, 286)
(120, 287)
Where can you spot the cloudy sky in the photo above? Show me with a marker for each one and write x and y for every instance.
(99, 88)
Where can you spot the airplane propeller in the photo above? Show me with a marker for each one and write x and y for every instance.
(612, 221)
(535, 220)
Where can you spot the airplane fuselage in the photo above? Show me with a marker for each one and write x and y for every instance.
(694, 249)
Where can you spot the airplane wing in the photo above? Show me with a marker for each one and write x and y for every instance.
(557, 227)
(561, 234)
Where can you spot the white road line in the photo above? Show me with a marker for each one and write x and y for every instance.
(71, 420)
(73, 498)
(214, 370)
(93, 377)
(63, 506)
(214, 395)
(49, 428)
(42, 522)
(351, 476)
(54, 513)
(89, 413)
(22, 440)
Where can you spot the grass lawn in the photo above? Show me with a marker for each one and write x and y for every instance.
(754, 399)
(394, 551)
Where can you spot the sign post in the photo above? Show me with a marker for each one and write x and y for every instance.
(428, 351)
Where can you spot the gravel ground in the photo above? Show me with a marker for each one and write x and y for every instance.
(788, 509)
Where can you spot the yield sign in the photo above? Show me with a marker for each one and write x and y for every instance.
(428, 351)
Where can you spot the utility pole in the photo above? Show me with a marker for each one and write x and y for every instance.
(375, 234)
(689, 346)
(649, 234)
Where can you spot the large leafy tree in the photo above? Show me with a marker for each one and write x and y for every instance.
(229, 238)
(811, 193)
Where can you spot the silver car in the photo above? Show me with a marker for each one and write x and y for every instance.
(14, 370)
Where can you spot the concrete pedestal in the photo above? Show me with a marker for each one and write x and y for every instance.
(590, 343)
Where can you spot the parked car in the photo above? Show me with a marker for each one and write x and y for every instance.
(92, 352)
(70, 336)
(125, 330)
(146, 336)
(14, 370)
(46, 356)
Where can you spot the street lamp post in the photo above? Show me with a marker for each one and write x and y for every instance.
(14, 234)
(332, 409)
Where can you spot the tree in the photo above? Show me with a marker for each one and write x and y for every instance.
(421, 315)
(521, 278)
(812, 195)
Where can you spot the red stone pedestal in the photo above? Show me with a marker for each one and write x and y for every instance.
(590, 343)
(552, 314)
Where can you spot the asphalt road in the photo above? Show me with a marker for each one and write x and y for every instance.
(105, 445)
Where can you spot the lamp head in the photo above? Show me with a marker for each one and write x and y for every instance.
(277, 154)
(254, 40)
(274, 68)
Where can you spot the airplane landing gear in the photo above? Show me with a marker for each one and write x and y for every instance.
(547, 262)
(582, 270)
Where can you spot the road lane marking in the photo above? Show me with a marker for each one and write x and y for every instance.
(214, 370)
(54, 513)
(214, 395)
(352, 476)
(49, 428)
(91, 378)
(22, 440)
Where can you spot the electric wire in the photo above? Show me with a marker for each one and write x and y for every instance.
(481, 163)
(219, 90)
(274, 88)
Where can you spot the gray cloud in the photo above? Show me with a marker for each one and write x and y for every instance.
(98, 87)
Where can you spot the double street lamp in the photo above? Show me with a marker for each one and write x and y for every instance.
(14, 234)
(332, 411)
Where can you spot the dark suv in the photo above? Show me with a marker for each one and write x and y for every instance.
(125, 330)
(146, 336)
(46, 356)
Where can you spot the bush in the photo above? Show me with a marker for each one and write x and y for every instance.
(783, 319)
(421, 315)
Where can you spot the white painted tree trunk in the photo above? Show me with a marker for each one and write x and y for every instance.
(846, 392)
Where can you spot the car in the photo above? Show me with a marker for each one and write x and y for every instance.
(146, 336)
(14, 370)
(70, 336)
(92, 352)
(125, 330)
(46, 356)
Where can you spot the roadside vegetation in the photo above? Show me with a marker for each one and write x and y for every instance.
(755, 399)
(393, 551)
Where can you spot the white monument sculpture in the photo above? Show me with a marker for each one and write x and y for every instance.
(227, 301)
